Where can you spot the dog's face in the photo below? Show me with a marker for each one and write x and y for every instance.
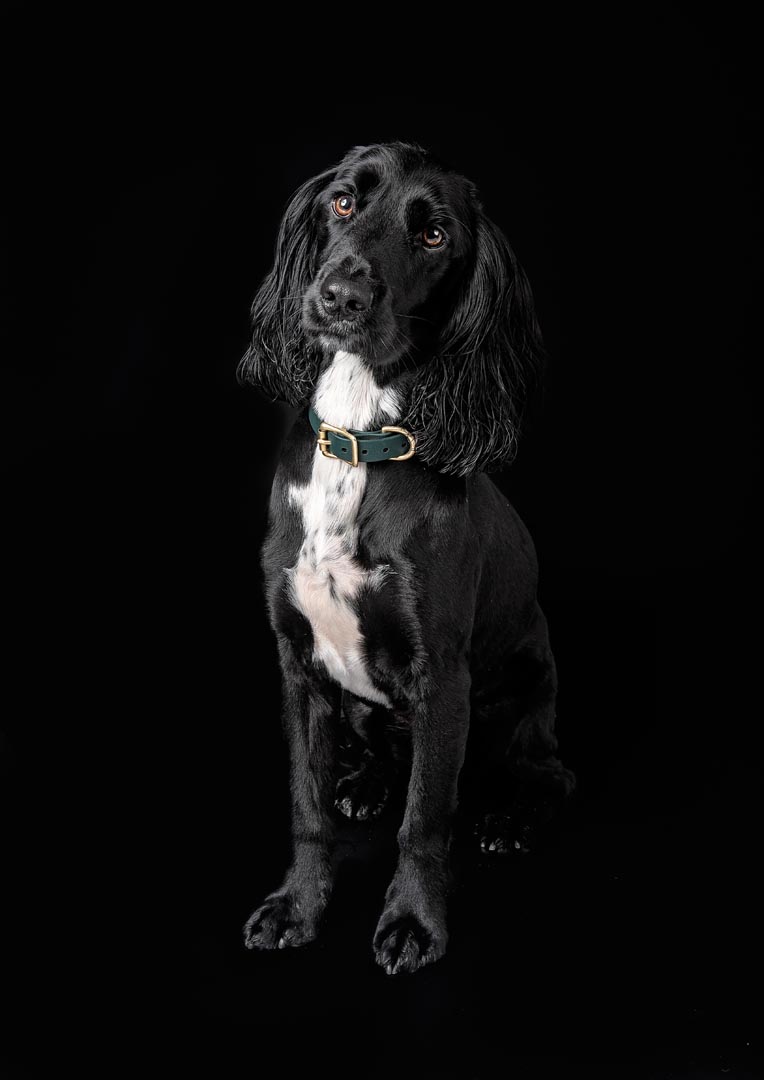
(394, 236)
(392, 258)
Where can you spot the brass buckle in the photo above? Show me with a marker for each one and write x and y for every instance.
(412, 443)
(324, 444)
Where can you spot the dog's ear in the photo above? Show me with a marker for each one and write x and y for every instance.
(280, 361)
(466, 404)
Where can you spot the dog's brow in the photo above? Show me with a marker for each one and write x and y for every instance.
(423, 209)
(366, 178)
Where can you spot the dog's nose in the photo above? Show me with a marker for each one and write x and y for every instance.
(346, 297)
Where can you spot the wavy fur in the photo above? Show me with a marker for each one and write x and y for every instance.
(466, 403)
(281, 361)
(465, 388)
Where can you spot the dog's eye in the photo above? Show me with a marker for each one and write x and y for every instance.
(343, 205)
(433, 237)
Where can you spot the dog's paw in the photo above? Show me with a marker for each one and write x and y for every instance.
(278, 924)
(361, 795)
(403, 945)
(522, 828)
(506, 834)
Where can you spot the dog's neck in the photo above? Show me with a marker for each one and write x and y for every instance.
(347, 395)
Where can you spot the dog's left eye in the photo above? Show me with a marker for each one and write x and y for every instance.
(433, 237)
(343, 205)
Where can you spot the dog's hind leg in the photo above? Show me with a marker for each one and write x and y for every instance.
(363, 791)
(541, 781)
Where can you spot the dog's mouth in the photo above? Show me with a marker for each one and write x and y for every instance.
(375, 335)
(341, 334)
(342, 331)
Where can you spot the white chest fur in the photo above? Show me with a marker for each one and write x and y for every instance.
(327, 576)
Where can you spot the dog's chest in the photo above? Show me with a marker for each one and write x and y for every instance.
(327, 578)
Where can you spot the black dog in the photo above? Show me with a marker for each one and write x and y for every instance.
(401, 585)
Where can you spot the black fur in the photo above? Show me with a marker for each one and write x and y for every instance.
(454, 636)
(463, 333)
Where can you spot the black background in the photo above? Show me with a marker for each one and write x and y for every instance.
(144, 778)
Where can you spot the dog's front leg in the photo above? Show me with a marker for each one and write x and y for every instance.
(412, 929)
(290, 916)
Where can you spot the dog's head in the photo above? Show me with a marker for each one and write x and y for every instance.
(392, 257)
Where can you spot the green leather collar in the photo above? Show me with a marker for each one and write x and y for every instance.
(357, 447)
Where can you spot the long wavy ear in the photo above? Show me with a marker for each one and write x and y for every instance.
(280, 361)
(466, 403)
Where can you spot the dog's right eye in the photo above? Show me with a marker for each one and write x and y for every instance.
(343, 205)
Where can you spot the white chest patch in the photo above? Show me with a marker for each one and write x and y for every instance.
(327, 576)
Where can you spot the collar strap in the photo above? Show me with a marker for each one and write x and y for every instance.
(356, 447)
